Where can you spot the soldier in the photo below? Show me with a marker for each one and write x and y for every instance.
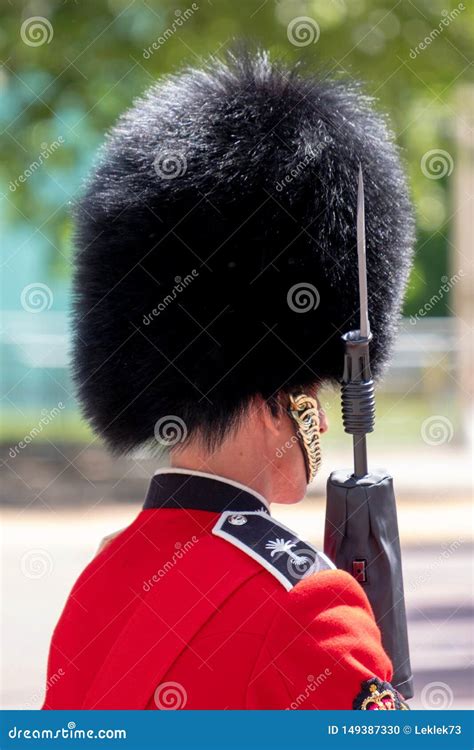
(214, 276)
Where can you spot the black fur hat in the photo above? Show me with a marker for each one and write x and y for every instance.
(216, 247)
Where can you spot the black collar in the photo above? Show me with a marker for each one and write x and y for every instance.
(197, 491)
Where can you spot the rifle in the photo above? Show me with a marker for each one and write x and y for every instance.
(361, 530)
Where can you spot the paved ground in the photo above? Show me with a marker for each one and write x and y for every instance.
(44, 552)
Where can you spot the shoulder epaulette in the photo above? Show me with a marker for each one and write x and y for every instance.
(273, 545)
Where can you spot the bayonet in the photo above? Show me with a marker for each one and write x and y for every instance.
(364, 326)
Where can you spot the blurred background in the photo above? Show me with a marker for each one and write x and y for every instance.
(68, 69)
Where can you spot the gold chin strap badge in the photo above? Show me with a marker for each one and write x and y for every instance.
(304, 411)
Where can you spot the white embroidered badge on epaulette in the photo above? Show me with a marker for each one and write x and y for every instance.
(273, 545)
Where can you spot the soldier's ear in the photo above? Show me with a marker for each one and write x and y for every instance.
(271, 414)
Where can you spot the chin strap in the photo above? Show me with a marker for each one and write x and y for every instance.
(304, 411)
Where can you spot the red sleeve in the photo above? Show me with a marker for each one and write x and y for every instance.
(323, 644)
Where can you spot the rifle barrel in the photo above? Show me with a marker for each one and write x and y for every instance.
(361, 468)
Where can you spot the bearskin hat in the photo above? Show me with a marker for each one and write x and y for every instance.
(216, 247)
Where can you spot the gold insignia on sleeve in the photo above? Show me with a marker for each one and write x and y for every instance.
(378, 701)
(379, 696)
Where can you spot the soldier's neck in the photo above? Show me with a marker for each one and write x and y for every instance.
(239, 463)
(261, 453)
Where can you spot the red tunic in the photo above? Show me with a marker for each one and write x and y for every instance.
(171, 615)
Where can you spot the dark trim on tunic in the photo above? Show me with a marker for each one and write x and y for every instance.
(194, 492)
